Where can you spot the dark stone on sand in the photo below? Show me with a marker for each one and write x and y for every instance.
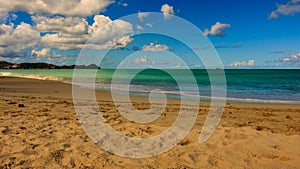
(259, 128)
(22, 128)
(21, 105)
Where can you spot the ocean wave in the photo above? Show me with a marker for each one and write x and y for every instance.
(31, 76)
(187, 96)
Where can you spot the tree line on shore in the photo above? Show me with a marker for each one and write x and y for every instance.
(41, 65)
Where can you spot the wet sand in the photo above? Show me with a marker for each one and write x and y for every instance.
(39, 129)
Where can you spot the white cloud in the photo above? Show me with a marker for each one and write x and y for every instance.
(141, 60)
(69, 25)
(67, 33)
(14, 40)
(69, 30)
(67, 8)
(217, 29)
(47, 54)
(108, 33)
(122, 3)
(139, 27)
(64, 41)
(167, 11)
(293, 59)
(142, 15)
(155, 47)
(72, 33)
(149, 25)
(43, 53)
(3, 17)
(122, 42)
(291, 8)
(249, 63)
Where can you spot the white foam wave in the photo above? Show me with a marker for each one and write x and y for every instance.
(30, 76)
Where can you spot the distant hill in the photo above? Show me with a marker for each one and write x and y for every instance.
(8, 65)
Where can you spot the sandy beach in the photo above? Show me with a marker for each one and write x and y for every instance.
(39, 129)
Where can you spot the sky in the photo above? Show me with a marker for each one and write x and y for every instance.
(245, 34)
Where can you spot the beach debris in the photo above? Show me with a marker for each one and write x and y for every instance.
(21, 105)
(260, 128)
(184, 142)
(11, 102)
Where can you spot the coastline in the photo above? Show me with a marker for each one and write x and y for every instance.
(49, 75)
(45, 133)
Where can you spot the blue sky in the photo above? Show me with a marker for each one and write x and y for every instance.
(246, 34)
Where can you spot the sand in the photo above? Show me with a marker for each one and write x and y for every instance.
(45, 133)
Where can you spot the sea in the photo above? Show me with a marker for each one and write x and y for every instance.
(241, 85)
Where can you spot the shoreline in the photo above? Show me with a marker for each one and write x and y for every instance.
(46, 133)
(140, 93)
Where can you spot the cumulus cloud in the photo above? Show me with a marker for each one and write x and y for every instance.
(141, 60)
(14, 40)
(217, 29)
(49, 55)
(294, 59)
(110, 33)
(61, 25)
(155, 47)
(69, 25)
(122, 42)
(249, 63)
(67, 8)
(291, 8)
(64, 41)
(72, 33)
(167, 11)
(66, 33)
(142, 15)
(39, 54)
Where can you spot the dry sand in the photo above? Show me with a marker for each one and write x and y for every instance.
(46, 134)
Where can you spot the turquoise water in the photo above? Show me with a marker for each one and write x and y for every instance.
(243, 85)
